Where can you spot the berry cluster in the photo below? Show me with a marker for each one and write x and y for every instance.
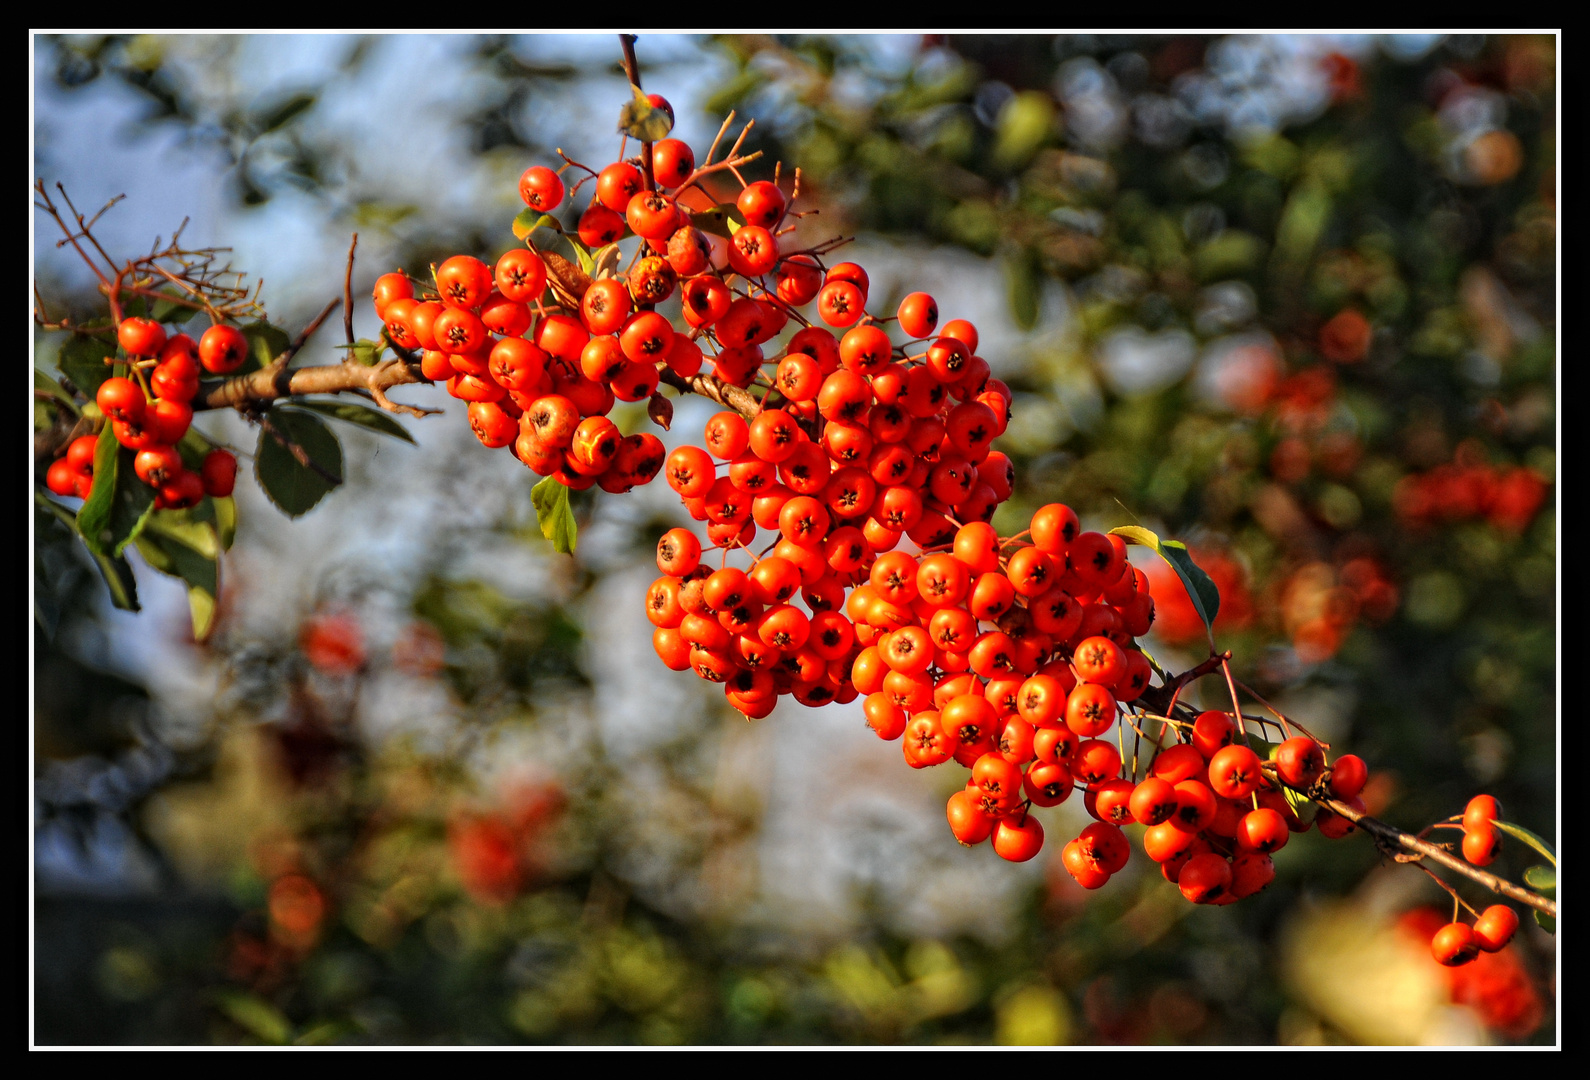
(1462, 491)
(545, 394)
(150, 412)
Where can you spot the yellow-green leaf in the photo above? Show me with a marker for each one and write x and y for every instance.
(1204, 594)
(640, 119)
(1518, 832)
(528, 221)
(556, 518)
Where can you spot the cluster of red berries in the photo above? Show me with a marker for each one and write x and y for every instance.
(150, 412)
(546, 394)
(1507, 498)
(1012, 658)
(1213, 815)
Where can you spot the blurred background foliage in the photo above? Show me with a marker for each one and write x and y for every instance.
(1291, 299)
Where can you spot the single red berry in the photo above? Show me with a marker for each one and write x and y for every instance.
(541, 188)
(218, 473)
(121, 399)
(1300, 762)
(1454, 945)
(222, 349)
(1495, 927)
(141, 337)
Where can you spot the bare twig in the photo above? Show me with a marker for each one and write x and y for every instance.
(347, 292)
(1390, 837)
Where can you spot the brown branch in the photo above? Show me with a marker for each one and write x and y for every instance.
(632, 72)
(268, 384)
(1388, 836)
(710, 386)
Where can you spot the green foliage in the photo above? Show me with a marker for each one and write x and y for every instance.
(295, 485)
(551, 501)
(639, 119)
(351, 412)
(265, 344)
(1200, 589)
(82, 359)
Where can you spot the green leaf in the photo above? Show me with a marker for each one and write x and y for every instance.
(194, 448)
(639, 119)
(257, 1017)
(265, 343)
(183, 527)
(1547, 923)
(116, 572)
(294, 487)
(551, 500)
(1203, 593)
(587, 263)
(1541, 878)
(170, 310)
(528, 221)
(1304, 807)
(120, 504)
(43, 382)
(225, 520)
(177, 545)
(1520, 833)
(82, 359)
(133, 507)
(353, 413)
(722, 220)
(365, 351)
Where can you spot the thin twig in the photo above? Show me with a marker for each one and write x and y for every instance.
(1397, 838)
(347, 292)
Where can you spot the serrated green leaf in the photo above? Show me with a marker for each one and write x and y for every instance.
(722, 220)
(640, 119)
(82, 359)
(350, 412)
(292, 486)
(117, 574)
(529, 220)
(257, 1017)
(265, 343)
(1547, 923)
(553, 514)
(1520, 833)
(1203, 593)
(1541, 878)
(43, 382)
